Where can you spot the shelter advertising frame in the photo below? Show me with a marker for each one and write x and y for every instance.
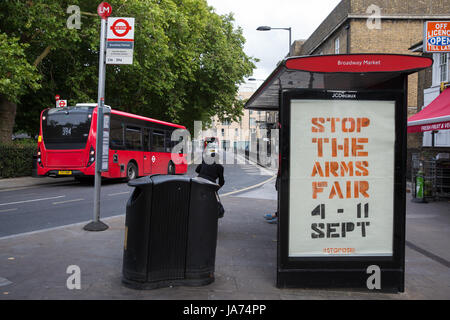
(322, 236)
(348, 269)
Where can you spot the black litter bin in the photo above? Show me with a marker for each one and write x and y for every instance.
(170, 232)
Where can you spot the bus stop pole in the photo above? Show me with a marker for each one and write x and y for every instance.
(96, 224)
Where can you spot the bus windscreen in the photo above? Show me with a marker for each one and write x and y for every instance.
(66, 128)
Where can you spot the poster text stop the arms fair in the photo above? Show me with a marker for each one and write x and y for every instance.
(342, 151)
(341, 185)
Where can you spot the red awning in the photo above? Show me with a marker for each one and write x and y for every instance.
(435, 116)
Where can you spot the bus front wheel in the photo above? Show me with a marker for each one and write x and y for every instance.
(132, 171)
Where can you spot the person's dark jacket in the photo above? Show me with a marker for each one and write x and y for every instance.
(211, 172)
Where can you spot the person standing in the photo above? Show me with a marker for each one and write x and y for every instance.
(211, 172)
(273, 218)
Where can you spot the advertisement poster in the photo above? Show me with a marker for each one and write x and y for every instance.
(341, 200)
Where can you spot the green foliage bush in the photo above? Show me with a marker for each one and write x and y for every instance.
(16, 158)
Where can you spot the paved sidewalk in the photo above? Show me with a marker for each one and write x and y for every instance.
(24, 182)
(33, 266)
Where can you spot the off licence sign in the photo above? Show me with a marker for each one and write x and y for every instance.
(436, 36)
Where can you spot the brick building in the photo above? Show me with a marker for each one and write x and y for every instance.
(234, 134)
(376, 26)
(429, 88)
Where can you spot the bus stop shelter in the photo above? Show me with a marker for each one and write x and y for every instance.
(341, 199)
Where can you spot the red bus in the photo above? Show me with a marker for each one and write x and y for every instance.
(138, 145)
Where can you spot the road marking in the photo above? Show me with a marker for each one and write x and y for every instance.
(4, 282)
(25, 201)
(258, 166)
(118, 193)
(248, 188)
(59, 202)
(8, 210)
(115, 216)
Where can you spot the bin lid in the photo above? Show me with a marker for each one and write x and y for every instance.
(333, 72)
(209, 184)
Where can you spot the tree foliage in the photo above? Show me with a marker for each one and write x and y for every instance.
(17, 73)
(188, 60)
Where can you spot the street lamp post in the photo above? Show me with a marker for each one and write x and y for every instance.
(267, 28)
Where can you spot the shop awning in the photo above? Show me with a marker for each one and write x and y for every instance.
(435, 116)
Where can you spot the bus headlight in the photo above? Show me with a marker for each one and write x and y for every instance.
(39, 160)
(91, 156)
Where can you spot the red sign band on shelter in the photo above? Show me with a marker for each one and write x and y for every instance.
(359, 63)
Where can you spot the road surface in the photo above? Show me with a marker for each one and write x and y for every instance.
(47, 206)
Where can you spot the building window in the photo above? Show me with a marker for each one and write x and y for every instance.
(443, 67)
(223, 132)
(236, 132)
(226, 122)
(336, 46)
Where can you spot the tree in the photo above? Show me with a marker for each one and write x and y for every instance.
(188, 61)
(18, 74)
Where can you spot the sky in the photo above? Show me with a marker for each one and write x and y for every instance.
(303, 16)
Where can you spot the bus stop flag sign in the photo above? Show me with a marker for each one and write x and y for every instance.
(120, 41)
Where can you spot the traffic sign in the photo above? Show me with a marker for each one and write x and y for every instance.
(120, 28)
(436, 37)
(57, 97)
(104, 10)
(120, 41)
(61, 103)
